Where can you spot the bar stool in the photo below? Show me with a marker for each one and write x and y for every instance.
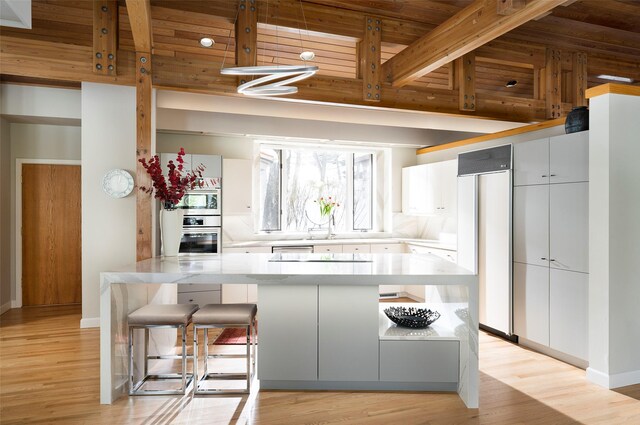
(154, 316)
(224, 316)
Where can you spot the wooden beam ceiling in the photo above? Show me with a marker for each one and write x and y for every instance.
(140, 20)
(467, 30)
(105, 37)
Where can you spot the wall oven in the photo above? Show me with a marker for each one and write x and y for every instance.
(201, 202)
(201, 235)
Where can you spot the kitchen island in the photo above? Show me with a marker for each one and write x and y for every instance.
(320, 323)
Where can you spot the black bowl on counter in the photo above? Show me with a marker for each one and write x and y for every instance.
(411, 317)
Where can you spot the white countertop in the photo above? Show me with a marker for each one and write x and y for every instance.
(380, 269)
(431, 243)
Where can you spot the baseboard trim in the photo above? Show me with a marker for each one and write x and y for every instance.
(16, 304)
(5, 307)
(90, 322)
(613, 381)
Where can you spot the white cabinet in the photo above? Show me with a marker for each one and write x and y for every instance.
(234, 294)
(237, 184)
(419, 361)
(212, 164)
(387, 248)
(430, 189)
(445, 254)
(531, 302)
(569, 227)
(201, 298)
(531, 224)
(327, 248)
(569, 158)
(531, 162)
(347, 351)
(288, 332)
(356, 249)
(568, 312)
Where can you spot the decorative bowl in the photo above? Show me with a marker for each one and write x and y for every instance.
(411, 317)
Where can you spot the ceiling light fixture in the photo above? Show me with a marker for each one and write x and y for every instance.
(511, 83)
(274, 79)
(207, 42)
(615, 78)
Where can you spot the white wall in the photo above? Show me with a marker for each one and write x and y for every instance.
(108, 225)
(41, 102)
(5, 216)
(614, 232)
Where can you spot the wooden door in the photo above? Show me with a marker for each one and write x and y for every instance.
(51, 238)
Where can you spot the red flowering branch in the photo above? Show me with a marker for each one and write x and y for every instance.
(179, 180)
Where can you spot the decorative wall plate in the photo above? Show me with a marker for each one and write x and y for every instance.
(117, 183)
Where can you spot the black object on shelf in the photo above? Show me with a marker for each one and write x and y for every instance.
(411, 317)
(577, 120)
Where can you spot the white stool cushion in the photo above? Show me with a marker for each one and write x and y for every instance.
(163, 314)
(225, 314)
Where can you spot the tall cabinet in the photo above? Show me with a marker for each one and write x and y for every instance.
(550, 234)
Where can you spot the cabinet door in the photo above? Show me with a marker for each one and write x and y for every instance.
(416, 195)
(234, 294)
(356, 249)
(252, 294)
(569, 226)
(568, 312)
(569, 158)
(289, 332)
(447, 186)
(531, 224)
(531, 302)
(212, 164)
(406, 191)
(531, 162)
(236, 186)
(348, 351)
(387, 248)
(201, 298)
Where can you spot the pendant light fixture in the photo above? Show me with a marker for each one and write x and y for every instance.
(274, 80)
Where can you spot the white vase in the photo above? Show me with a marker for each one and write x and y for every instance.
(171, 231)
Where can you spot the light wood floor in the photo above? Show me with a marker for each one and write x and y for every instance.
(49, 374)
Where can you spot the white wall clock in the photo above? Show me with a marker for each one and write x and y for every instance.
(117, 183)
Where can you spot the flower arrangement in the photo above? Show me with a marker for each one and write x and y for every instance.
(326, 206)
(179, 180)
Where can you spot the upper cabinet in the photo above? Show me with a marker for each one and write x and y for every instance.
(569, 158)
(430, 189)
(212, 163)
(531, 162)
(558, 159)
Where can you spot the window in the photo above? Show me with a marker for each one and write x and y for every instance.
(292, 178)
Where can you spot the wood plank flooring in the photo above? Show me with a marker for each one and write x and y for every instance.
(49, 372)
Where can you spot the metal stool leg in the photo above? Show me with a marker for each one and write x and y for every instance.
(195, 356)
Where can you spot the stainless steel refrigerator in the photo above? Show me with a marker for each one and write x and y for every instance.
(485, 232)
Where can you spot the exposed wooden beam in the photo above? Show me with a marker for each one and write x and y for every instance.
(469, 29)
(140, 19)
(509, 7)
(246, 35)
(105, 36)
(370, 59)
(466, 72)
(579, 71)
(143, 150)
(553, 81)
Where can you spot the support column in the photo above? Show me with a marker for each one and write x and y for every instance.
(369, 59)
(466, 73)
(553, 81)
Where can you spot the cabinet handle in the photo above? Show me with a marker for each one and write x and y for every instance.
(544, 175)
(543, 258)
(552, 175)
(552, 259)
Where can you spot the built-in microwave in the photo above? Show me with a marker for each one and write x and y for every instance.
(201, 202)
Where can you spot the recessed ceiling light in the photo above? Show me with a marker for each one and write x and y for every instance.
(307, 56)
(206, 42)
(615, 78)
(511, 83)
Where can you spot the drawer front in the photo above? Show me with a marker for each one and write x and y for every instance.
(194, 287)
(381, 248)
(356, 249)
(419, 361)
(249, 250)
(200, 298)
(327, 248)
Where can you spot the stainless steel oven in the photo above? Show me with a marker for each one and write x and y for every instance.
(201, 202)
(201, 235)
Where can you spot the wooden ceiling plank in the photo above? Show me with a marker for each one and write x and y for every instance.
(105, 36)
(469, 29)
(579, 78)
(553, 78)
(466, 72)
(370, 59)
(139, 12)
